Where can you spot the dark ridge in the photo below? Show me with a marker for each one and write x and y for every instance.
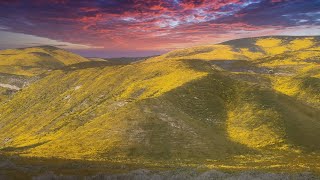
(122, 60)
(264, 37)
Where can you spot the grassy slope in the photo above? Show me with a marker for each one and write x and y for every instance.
(250, 100)
(20, 67)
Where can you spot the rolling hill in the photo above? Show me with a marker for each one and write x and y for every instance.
(21, 67)
(36, 60)
(240, 105)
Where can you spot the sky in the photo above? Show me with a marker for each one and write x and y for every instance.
(135, 28)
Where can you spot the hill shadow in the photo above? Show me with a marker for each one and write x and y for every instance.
(22, 148)
(195, 116)
(211, 96)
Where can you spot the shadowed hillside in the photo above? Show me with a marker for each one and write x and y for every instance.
(253, 102)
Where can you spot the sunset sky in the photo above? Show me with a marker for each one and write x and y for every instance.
(118, 28)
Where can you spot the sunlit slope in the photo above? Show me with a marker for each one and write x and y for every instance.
(21, 67)
(292, 63)
(181, 106)
(36, 60)
(252, 49)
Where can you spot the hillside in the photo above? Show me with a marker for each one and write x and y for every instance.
(21, 67)
(36, 60)
(240, 105)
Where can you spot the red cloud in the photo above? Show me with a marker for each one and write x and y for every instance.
(139, 24)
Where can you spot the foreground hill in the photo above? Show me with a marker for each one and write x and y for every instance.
(244, 104)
